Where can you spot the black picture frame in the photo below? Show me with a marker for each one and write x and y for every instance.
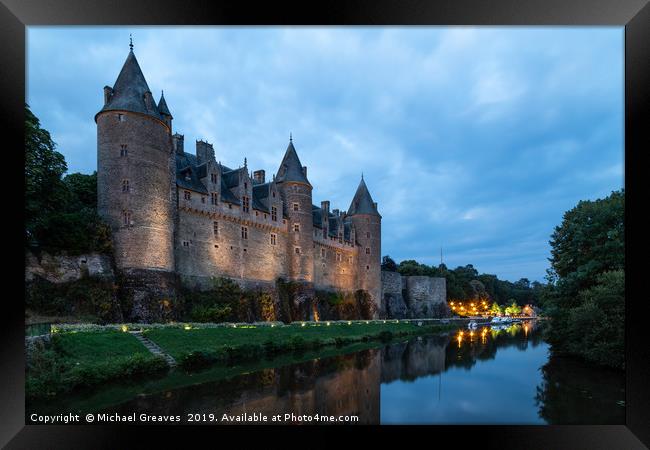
(15, 15)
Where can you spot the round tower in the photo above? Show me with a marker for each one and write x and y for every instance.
(366, 221)
(296, 193)
(135, 172)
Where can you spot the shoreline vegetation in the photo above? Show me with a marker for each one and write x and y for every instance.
(76, 357)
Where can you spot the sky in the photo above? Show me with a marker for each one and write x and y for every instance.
(473, 140)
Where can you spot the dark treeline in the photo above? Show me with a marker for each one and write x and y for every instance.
(60, 210)
(465, 283)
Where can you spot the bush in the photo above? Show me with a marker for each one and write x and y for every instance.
(196, 360)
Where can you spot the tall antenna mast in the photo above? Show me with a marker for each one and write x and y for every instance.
(441, 255)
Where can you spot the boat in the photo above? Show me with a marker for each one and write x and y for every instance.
(472, 325)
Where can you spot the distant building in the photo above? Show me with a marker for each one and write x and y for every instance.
(187, 215)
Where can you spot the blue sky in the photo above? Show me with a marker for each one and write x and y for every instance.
(473, 139)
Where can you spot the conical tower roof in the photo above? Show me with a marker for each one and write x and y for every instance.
(291, 168)
(362, 202)
(129, 91)
(162, 106)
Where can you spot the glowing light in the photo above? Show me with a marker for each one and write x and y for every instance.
(384, 321)
(303, 324)
(187, 327)
(125, 328)
(328, 324)
(349, 323)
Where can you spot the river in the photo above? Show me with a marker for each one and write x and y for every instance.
(485, 376)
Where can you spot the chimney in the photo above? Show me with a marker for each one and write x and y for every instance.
(325, 206)
(375, 205)
(178, 140)
(336, 212)
(259, 176)
(304, 171)
(204, 152)
(108, 93)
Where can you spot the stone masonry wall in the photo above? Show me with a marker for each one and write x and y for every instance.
(62, 268)
(413, 296)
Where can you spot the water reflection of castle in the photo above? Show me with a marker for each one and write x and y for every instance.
(341, 385)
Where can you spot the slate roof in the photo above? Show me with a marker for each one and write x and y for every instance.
(162, 106)
(290, 167)
(362, 202)
(332, 229)
(129, 90)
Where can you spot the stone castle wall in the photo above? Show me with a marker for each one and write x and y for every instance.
(413, 296)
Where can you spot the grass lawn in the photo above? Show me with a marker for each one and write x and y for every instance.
(97, 346)
(179, 342)
(79, 359)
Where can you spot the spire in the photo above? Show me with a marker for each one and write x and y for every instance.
(131, 92)
(291, 168)
(362, 202)
(131, 41)
(162, 106)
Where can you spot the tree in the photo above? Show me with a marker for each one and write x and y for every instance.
(585, 297)
(513, 309)
(61, 213)
(388, 264)
(496, 310)
(44, 166)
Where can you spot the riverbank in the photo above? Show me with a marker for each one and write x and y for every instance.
(74, 358)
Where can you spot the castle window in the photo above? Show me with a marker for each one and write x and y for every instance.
(126, 218)
(274, 238)
(186, 244)
(297, 250)
(123, 150)
(213, 198)
(229, 206)
(295, 206)
(215, 229)
(367, 267)
(273, 193)
(187, 195)
(274, 213)
(339, 258)
(244, 232)
(121, 117)
(350, 259)
(296, 227)
(245, 186)
(367, 250)
(246, 204)
(295, 188)
(213, 177)
(368, 234)
(202, 199)
(324, 233)
(125, 185)
(322, 253)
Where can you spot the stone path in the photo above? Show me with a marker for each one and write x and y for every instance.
(153, 347)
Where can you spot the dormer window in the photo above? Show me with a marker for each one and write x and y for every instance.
(245, 186)
(273, 194)
(274, 213)
(213, 177)
(214, 199)
(246, 204)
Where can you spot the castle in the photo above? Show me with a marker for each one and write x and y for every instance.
(178, 215)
